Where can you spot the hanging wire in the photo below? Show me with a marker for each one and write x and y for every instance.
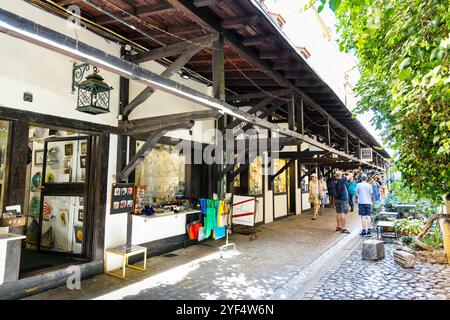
(207, 48)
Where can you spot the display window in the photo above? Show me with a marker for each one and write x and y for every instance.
(161, 174)
(256, 176)
(279, 183)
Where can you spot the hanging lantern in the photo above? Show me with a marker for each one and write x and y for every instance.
(93, 94)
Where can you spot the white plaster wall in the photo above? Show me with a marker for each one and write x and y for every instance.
(25, 67)
(280, 205)
(259, 210)
(115, 224)
(161, 103)
(298, 191)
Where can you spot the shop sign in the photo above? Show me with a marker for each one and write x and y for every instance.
(366, 154)
(244, 210)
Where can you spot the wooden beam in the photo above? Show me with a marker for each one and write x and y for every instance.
(273, 54)
(148, 124)
(148, 146)
(170, 71)
(287, 164)
(246, 83)
(184, 29)
(302, 119)
(233, 23)
(262, 94)
(258, 40)
(218, 67)
(297, 154)
(141, 12)
(172, 49)
(291, 113)
(206, 3)
(261, 105)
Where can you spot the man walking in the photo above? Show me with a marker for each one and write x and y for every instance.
(322, 194)
(364, 193)
(341, 202)
(331, 186)
(351, 186)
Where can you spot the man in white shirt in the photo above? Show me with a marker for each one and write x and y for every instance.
(363, 193)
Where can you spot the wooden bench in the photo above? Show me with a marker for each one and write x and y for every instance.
(126, 251)
(385, 229)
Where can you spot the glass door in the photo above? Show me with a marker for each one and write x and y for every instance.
(61, 221)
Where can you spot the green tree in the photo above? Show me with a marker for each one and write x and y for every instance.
(403, 56)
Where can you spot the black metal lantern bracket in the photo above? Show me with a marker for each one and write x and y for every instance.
(78, 72)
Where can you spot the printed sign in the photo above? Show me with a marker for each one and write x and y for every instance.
(366, 154)
(122, 198)
(244, 210)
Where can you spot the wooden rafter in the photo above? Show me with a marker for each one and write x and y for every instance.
(172, 49)
(260, 95)
(148, 146)
(143, 125)
(170, 71)
(141, 12)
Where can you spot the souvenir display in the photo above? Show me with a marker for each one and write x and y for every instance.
(34, 208)
(68, 149)
(47, 212)
(62, 216)
(48, 239)
(35, 181)
(50, 178)
(52, 155)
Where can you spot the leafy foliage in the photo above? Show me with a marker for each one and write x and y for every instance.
(403, 49)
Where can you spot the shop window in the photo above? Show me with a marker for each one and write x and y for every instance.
(4, 135)
(256, 177)
(279, 183)
(162, 175)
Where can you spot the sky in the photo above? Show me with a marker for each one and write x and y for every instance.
(304, 29)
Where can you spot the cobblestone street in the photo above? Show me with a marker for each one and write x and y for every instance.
(384, 280)
(294, 258)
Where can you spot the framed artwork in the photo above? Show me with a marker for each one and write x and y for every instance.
(39, 157)
(81, 201)
(80, 215)
(68, 149)
(83, 148)
(83, 160)
(78, 234)
(83, 175)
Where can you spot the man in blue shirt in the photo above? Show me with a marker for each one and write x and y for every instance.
(364, 193)
(351, 186)
(341, 202)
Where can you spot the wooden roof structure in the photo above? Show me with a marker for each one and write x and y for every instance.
(259, 60)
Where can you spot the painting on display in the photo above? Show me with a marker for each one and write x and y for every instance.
(39, 157)
(122, 199)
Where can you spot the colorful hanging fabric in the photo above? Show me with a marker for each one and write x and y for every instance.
(203, 206)
(194, 230)
(220, 213)
(219, 230)
(210, 217)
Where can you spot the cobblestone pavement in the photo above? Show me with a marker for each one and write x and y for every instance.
(382, 280)
(262, 269)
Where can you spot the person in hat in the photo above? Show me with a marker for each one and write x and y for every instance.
(314, 195)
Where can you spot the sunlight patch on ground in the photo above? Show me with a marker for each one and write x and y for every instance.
(169, 277)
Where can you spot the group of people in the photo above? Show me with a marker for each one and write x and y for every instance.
(341, 191)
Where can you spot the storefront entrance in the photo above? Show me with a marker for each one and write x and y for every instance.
(57, 184)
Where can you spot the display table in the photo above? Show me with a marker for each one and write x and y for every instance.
(10, 251)
(126, 252)
(159, 226)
